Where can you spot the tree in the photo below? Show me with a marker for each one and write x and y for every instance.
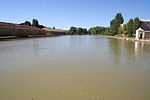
(26, 23)
(107, 31)
(136, 24)
(97, 30)
(35, 23)
(121, 30)
(130, 28)
(113, 27)
(79, 30)
(85, 32)
(115, 23)
(73, 29)
(41, 26)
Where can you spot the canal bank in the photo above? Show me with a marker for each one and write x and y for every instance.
(127, 38)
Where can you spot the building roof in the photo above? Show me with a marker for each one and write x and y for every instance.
(144, 20)
(140, 29)
(145, 25)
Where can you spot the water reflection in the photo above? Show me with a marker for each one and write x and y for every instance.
(74, 67)
(118, 47)
(36, 46)
(139, 46)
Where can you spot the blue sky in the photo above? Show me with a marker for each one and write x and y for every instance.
(65, 13)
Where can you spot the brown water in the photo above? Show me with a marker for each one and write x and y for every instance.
(74, 68)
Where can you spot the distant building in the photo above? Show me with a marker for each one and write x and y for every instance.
(10, 29)
(144, 31)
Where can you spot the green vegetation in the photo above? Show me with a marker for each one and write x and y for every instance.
(116, 28)
(115, 23)
(73, 29)
(136, 24)
(92, 31)
(35, 23)
(129, 29)
(26, 23)
(78, 31)
(99, 30)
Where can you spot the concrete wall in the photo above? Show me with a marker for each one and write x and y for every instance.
(147, 35)
(5, 32)
(10, 29)
(20, 32)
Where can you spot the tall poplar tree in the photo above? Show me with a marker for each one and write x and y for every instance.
(115, 23)
(130, 28)
(136, 24)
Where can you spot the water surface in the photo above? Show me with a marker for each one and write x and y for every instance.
(74, 68)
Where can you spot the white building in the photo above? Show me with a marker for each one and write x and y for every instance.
(144, 31)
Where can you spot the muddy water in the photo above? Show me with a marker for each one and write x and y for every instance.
(74, 68)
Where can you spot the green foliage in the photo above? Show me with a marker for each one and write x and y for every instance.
(26, 23)
(136, 24)
(73, 29)
(130, 26)
(35, 23)
(41, 26)
(79, 31)
(125, 29)
(84, 31)
(121, 30)
(97, 30)
(106, 32)
(113, 27)
(115, 23)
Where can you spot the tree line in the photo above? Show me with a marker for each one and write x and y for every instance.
(34, 23)
(92, 31)
(116, 27)
(78, 30)
(129, 29)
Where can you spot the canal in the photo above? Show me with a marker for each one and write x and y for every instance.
(74, 68)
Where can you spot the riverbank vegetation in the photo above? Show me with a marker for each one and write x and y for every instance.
(78, 30)
(117, 28)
